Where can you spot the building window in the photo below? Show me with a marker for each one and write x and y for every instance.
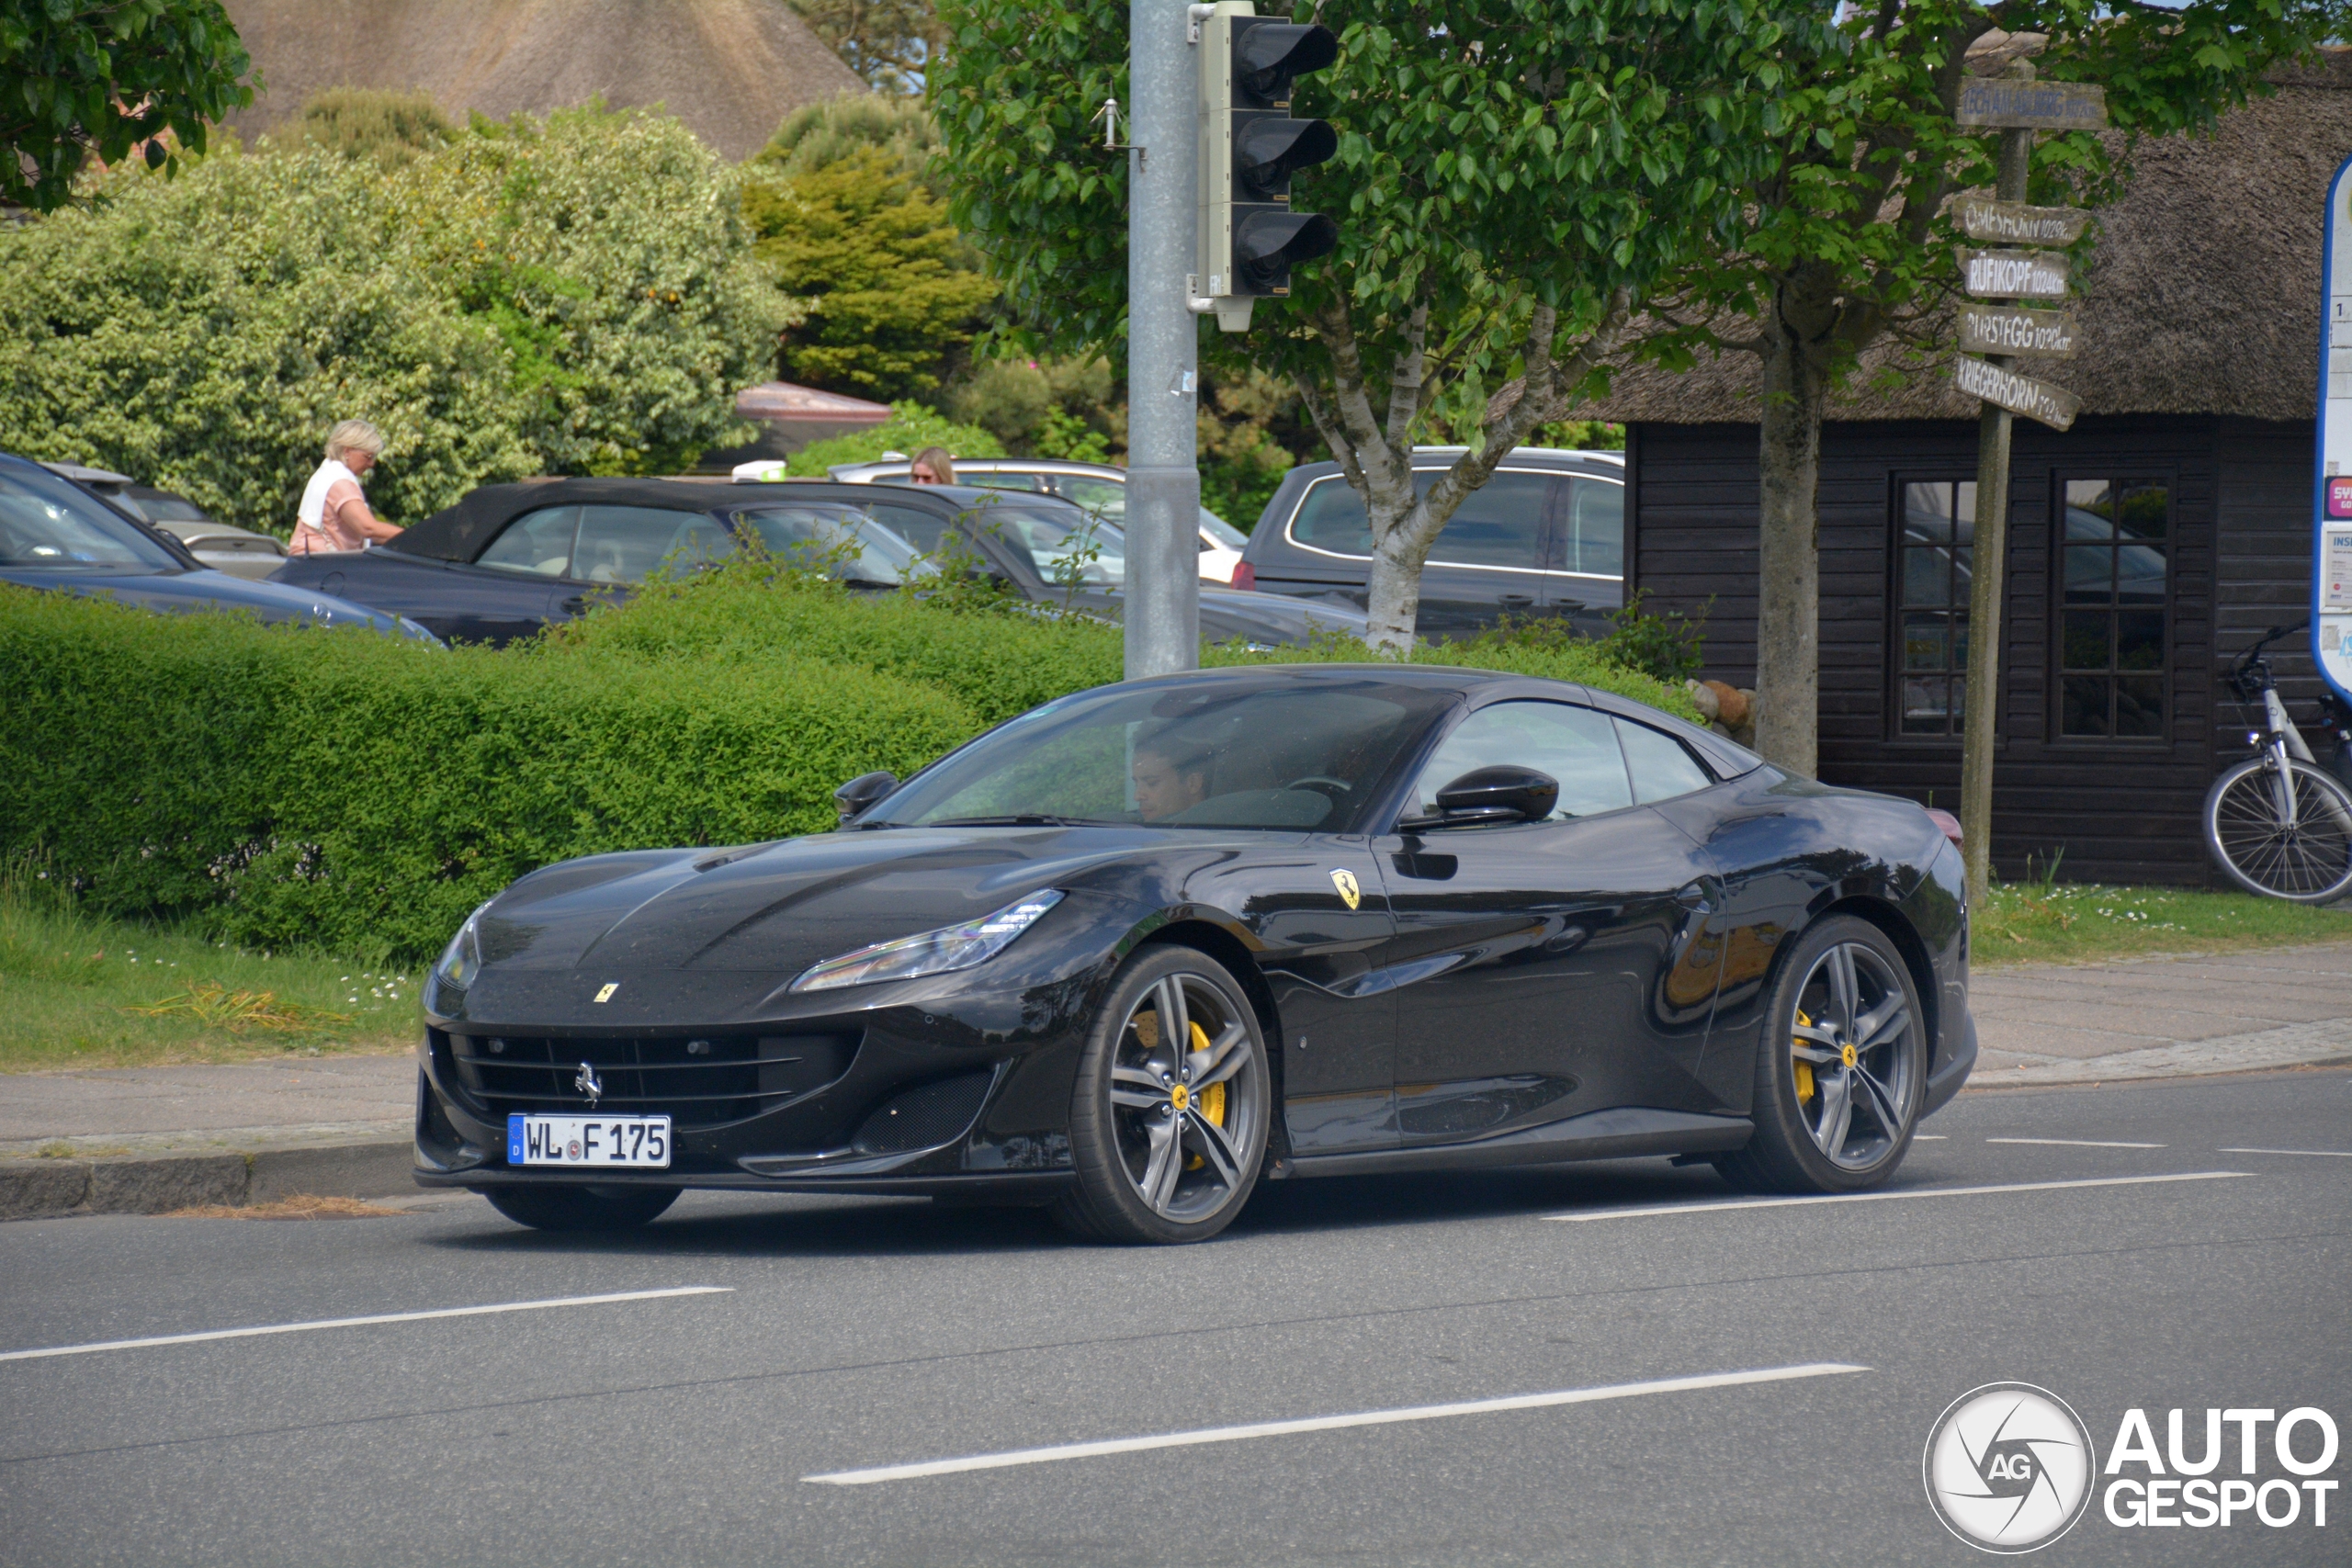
(2116, 535)
(1932, 537)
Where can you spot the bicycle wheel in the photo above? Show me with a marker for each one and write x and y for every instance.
(2303, 855)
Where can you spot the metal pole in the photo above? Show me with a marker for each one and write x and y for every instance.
(1988, 559)
(1163, 614)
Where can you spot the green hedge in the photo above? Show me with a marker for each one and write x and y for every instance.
(287, 786)
(343, 790)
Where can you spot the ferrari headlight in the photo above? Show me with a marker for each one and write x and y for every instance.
(461, 960)
(932, 952)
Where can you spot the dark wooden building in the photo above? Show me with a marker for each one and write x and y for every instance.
(2149, 544)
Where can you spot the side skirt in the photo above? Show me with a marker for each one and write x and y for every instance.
(1620, 1134)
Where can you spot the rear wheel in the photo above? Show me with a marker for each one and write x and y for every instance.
(2281, 835)
(581, 1208)
(1169, 1114)
(1843, 1068)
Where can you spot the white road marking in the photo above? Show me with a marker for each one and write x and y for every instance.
(1325, 1424)
(2075, 1143)
(1928, 1137)
(1886, 1197)
(361, 1322)
(2329, 1154)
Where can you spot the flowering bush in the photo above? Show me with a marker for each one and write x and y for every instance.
(574, 296)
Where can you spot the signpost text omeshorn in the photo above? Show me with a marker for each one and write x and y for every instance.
(2013, 329)
(2054, 406)
(2014, 224)
(2030, 105)
(2014, 275)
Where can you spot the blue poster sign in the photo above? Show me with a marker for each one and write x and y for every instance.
(2331, 529)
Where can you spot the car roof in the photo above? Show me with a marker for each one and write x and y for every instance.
(1560, 457)
(82, 474)
(854, 473)
(461, 532)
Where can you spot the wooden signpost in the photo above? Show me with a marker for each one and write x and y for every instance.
(2018, 106)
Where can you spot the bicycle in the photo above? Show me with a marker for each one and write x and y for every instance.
(2279, 823)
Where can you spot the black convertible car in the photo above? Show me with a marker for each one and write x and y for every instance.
(1138, 950)
(511, 558)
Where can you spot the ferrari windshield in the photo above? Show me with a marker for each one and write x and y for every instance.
(1237, 752)
(45, 522)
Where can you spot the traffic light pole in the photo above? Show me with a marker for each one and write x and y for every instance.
(1163, 594)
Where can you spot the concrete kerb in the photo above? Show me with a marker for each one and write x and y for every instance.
(155, 1184)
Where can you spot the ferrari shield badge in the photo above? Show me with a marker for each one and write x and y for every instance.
(606, 994)
(1345, 881)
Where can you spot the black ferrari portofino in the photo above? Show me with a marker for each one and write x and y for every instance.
(1135, 951)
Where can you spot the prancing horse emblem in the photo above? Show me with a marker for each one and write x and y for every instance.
(584, 1080)
(1345, 881)
(606, 994)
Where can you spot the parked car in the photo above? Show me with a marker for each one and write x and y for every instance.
(1080, 960)
(1098, 487)
(56, 535)
(240, 552)
(1037, 544)
(509, 559)
(1545, 536)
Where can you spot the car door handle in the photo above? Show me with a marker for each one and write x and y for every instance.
(575, 606)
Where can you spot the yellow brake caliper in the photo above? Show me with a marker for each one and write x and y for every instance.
(1212, 1100)
(1804, 1068)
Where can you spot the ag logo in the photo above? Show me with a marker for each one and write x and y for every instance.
(2009, 1468)
(1345, 881)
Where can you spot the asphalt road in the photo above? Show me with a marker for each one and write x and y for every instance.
(855, 1334)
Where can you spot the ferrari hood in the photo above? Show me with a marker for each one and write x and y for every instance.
(777, 908)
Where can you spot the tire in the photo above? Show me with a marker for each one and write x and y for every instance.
(1168, 1151)
(581, 1208)
(2310, 862)
(1809, 1065)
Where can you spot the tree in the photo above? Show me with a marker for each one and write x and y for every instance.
(817, 136)
(1512, 176)
(392, 129)
(890, 294)
(1847, 244)
(576, 296)
(889, 43)
(87, 78)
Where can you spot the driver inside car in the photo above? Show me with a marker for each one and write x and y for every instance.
(1170, 777)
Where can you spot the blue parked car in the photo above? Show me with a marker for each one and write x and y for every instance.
(54, 534)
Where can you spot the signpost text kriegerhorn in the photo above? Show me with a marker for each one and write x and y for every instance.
(2018, 106)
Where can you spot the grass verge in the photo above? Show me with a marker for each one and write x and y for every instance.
(78, 991)
(2087, 922)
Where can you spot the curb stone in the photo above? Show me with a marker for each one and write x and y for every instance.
(37, 1188)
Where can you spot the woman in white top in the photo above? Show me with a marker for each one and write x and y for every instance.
(333, 514)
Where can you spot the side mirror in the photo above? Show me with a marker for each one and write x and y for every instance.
(853, 797)
(1491, 795)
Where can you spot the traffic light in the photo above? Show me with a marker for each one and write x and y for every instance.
(1249, 237)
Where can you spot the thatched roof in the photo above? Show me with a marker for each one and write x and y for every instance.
(730, 69)
(2203, 296)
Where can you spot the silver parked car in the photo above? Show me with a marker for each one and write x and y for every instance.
(1098, 487)
(224, 546)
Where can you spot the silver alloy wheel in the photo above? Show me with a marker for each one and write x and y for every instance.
(1856, 1055)
(1185, 1119)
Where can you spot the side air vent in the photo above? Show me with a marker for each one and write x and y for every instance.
(924, 1118)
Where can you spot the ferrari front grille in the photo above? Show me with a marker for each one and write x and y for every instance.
(697, 1081)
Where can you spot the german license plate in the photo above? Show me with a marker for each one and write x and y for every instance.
(638, 1142)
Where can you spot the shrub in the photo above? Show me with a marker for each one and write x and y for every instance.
(816, 136)
(910, 429)
(566, 297)
(392, 129)
(302, 788)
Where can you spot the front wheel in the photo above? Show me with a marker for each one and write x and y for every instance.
(581, 1208)
(2281, 835)
(1175, 1098)
(1842, 1070)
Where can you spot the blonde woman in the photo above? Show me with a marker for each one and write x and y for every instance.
(333, 514)
(933, 466)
